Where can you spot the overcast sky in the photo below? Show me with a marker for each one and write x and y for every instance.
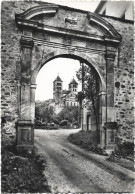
(66, 68)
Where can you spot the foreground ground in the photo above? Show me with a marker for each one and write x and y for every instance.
(22, 172)
(72, 169)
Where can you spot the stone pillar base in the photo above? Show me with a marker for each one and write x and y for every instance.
(25, 135)
(102, 137)
(108, 134)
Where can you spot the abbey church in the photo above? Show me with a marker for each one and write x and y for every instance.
(63, 98)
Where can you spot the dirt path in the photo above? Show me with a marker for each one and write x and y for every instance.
(72, 169)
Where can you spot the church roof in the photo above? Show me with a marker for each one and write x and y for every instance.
(73, 81)
(65, 92)
(58, 79)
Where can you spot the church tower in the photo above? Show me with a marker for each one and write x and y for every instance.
(57, 89)
(73, 86)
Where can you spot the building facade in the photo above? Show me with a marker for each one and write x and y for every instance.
(62, 97)
(119, 9)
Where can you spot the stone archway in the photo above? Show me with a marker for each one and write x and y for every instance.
(52, 31)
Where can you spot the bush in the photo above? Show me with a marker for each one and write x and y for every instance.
(22, 172)
(64, 123)
(40, 127)
(56, 121)
(124, 149)
(53, 127)
(87, 140)
(76, 123)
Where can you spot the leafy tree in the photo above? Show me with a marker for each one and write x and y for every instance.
(79, 98)
(68, 113)
(44, 111)
(90, 88)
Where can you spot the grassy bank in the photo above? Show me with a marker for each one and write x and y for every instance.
(87, 140)
(123, 154)
(22, 172)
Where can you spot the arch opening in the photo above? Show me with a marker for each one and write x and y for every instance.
(94, 125)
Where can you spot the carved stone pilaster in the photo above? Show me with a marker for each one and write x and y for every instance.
(27, 42)
(110, 56)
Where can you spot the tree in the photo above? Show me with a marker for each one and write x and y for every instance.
(90, 88)
(79, 98)
(68, 113)
(44, 111)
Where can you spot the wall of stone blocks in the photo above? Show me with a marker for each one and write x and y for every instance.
(124, 78)
(11, 68)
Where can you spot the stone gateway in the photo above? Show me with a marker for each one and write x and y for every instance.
(34, 33)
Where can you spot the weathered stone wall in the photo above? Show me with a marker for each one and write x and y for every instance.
(11, 68)
(10, 65)
(124, 78)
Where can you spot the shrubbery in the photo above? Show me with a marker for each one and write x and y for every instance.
(124, 150)
(22, 173)
(64, 123)
(87, 140)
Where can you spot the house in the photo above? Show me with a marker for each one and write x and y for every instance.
(119, 9)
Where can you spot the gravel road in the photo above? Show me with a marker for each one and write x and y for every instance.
(72, 169)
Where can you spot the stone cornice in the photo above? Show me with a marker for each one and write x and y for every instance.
(110, 56)
(65, 32)
(102, 93)
(27, 42)
(104, 25)
(33, 86)
(37, 10)
(26, 20)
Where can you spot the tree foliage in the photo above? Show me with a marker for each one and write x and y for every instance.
(44, 111)
(47, 114)
(90, 88)
(64, 123)
(68, 113)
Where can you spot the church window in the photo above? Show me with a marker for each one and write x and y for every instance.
(71, 103)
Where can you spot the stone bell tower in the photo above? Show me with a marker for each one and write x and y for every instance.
(57, 89)
(73, 86)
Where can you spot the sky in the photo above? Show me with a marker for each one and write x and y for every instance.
(66, 68)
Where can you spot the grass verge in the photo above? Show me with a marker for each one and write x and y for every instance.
(122, 155)
(88, 141)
